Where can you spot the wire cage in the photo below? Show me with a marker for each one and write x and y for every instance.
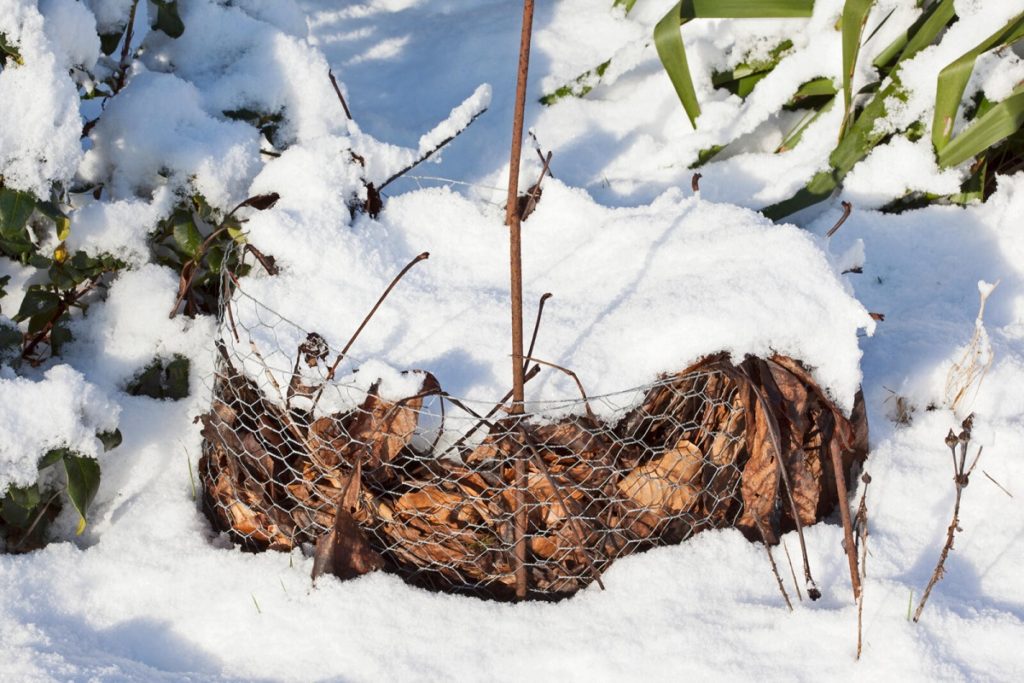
(461, 496)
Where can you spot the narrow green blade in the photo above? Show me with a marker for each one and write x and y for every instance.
(855, 16)
(998, 123)
(920, 35)
(668, 39)
(953, 80)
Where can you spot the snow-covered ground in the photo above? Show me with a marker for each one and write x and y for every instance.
(646, 277)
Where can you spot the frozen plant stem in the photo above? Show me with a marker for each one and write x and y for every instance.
(512, 219)
(961, 477)
(862, 539)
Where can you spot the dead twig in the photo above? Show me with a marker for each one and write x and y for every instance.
(771, 560)
(989, 477)
(695, 182)
(337, 361)
(570, 373)
(341, 98)
(961, 477)
(431, 152)
(862, 538)
(847, 209)
(792, 571)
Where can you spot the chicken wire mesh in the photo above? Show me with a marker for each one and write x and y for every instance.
(461, 496)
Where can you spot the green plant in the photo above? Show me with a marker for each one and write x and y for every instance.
(200, 241)
(27, 511)
(162, 379)
(992, 137)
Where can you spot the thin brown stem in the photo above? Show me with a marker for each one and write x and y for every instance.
(792, 571)
(695, 182)
(570, 373)
(122, 74)
(961, 478)
(847, 209)
(429, 153)
(334, 366)
(862, 537)
(771, 560)
(341, 98)
(531, 201)
(512, 219)
(68, 300)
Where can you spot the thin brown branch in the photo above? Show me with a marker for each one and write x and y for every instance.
(334, 366)
(534, 194)
(695, 182)
(862, 537)
(847, 209)
(771, 560)
(429, 153)
(570, 373)
(68, 300)
(792, 571)
(341, 98)
(122, 73)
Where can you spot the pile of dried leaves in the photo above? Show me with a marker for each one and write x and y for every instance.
(701, 450)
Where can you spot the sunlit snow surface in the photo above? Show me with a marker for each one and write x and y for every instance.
(644, 275)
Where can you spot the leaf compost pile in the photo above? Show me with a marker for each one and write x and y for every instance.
(430, 493)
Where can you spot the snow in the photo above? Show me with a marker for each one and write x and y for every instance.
(156, 131)
(60, 410)
(39, 141)
(645, 276)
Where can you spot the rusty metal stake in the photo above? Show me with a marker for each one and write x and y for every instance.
(512, 219)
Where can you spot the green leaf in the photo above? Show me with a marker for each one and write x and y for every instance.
(627, 4)
(995, 125)
(110, 440)
(60, 335)
(15, 210)
(167, 18)
(19, 505)
(110, 41)
(37, 302)
(668, 39)
(59, 218)
(954, 77)
(148, 382)
(855, 17)
(918, 36)
(861, 137)
(10, 340)
(187, 236)
(83, 481)
(52, 458)
(177, 378)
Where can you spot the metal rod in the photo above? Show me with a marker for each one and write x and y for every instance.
(512, 219)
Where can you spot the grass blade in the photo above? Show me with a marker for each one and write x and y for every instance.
(855, 17)
(668, 39)
(998, 123)
(920, 35)
(953, 80)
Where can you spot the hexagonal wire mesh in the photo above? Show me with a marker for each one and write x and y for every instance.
(425, 484)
